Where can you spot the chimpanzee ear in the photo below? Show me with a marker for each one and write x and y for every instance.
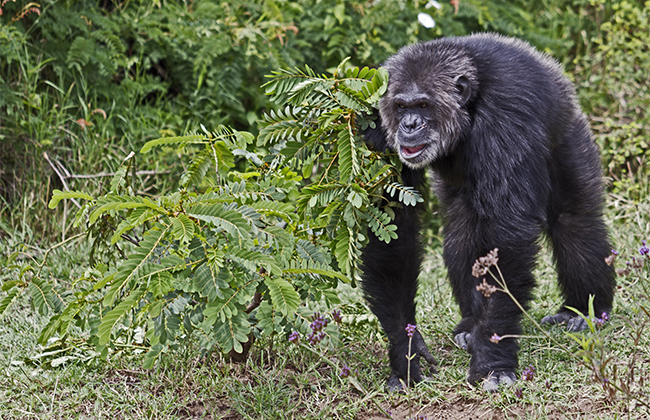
(463, 88)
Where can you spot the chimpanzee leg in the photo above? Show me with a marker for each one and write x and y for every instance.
(496, 359)
(390, 273)
(577, 230)
(497, 314)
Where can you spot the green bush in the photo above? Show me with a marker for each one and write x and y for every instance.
(614, 85)
(238, 250)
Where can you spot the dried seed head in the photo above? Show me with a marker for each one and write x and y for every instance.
(483, 264)
(486, 288)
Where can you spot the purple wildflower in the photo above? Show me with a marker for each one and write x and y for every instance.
(644, 250)
(548, 384)
(316, 337)
(495, 338)
(410, 329)
(336, 316)
(318, 324)
(519, 393)
(345, 372)
(528, 374)
(294, 337)
(599, 322)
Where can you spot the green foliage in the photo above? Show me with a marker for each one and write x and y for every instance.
(614, 80)
(318, 130)
(85, 82)
(246, 241)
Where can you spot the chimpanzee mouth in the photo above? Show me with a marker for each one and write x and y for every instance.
(411, 152)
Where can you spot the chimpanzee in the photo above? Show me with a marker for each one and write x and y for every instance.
(511, 156)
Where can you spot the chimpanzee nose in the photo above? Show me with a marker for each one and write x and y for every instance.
(411, 122)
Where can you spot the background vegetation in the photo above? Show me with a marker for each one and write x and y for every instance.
(84, 83)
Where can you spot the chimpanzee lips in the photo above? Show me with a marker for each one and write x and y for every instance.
(411, 152)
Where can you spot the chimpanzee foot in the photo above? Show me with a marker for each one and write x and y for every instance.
(574, 321)
(420, 351)
(420, 348)
(577, 323)
(462, 339)
(394, 384)
(496, 379)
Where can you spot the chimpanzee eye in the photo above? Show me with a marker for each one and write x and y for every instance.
(424, 105)
(400, 106)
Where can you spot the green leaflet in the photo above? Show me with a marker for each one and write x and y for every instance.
(58, 195)
(166, 141)
(283, 296)
(216, 214)
(380, 225)
(183, 228)
(111, 318)
(131, 268)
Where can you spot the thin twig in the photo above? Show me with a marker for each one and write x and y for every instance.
(108, 174)
(61, 177)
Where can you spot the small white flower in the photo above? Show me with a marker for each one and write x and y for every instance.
(426, 20)
(433, 3)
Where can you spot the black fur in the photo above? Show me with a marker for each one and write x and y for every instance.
(512, 157)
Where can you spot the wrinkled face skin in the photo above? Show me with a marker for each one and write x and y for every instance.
(423, 111)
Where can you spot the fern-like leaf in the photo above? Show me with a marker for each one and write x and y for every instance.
(116, 202)
(233, 332)
(319, 271)
(131, 268)
(58, 195)
(283, 296)
(208, 283)
(253, 260)
(284, 211)
(8, 300)
(152, 355)
(197, 169)
(317, 194)
(229, 220)
(348, 163)
(167, 141)
(380, 225)
(183, 228)
(407, 195)
(43, 296)
(111, 318)
(281, 125)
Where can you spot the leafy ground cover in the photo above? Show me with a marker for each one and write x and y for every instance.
(284, 380)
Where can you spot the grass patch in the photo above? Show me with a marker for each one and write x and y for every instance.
(282, 381)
